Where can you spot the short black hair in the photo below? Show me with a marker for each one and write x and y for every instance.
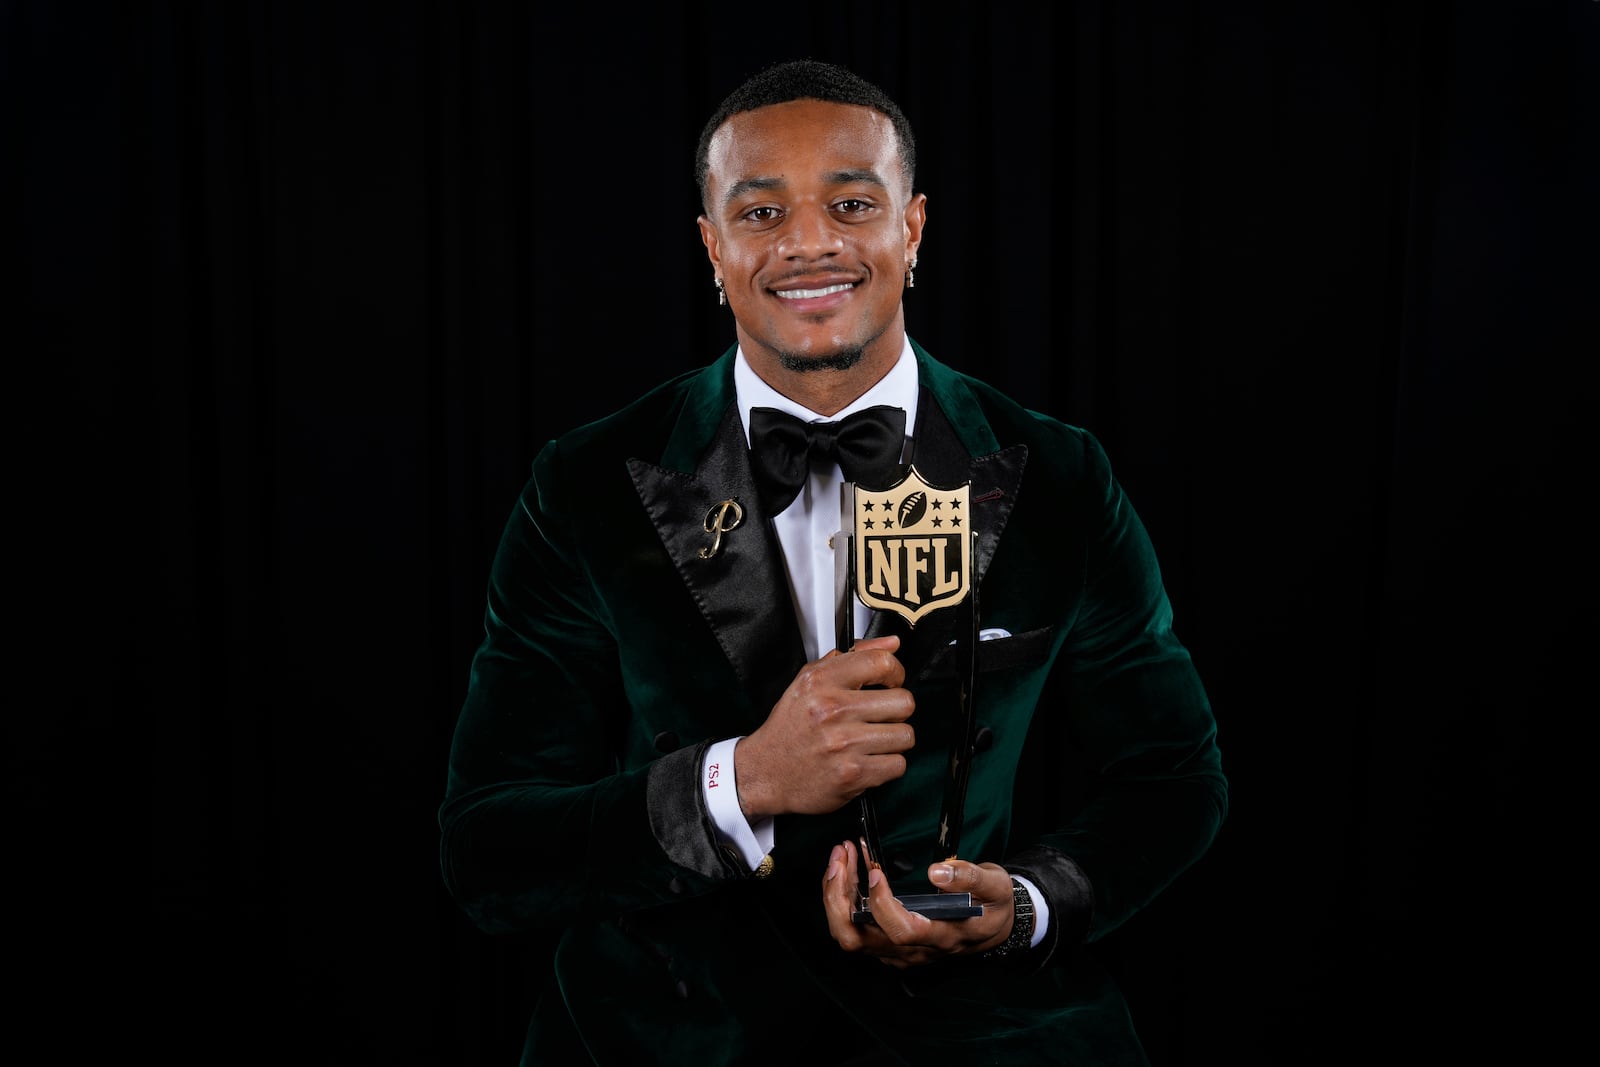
(806, 79)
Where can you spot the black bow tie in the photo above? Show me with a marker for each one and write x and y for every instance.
(866, 446)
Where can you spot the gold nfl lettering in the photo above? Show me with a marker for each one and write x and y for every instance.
(913, 546)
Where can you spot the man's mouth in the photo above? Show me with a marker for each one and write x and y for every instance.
(810, 294)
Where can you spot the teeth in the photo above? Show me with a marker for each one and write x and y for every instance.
(809, 294)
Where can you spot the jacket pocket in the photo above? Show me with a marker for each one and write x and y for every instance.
(1029, 648)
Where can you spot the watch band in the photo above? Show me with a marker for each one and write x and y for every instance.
(1021, 937)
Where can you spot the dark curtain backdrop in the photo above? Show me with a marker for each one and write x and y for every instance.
(304, 286)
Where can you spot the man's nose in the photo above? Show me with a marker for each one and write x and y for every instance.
(811, 233)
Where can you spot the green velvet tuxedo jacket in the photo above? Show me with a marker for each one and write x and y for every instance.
(615, 654)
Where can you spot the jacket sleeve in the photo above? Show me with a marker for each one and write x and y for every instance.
(1141, 723)
(541, 824)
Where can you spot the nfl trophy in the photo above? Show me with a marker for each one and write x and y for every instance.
(907, 548)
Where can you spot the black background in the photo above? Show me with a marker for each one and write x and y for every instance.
(304, 286)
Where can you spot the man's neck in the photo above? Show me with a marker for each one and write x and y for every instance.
(827, 392)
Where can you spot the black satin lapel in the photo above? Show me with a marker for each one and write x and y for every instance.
(741, 587)
(996, 479)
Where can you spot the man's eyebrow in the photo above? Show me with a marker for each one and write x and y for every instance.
(748, 185)
(850, 177)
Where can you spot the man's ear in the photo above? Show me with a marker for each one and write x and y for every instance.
(916, 216)
(708, 237)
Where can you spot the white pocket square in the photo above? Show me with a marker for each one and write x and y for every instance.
(991, 634)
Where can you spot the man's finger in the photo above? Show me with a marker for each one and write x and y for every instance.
(838, 898)
(987, 881)
(870, 662)
(899, 925)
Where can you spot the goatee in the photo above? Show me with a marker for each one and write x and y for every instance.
(843, 359)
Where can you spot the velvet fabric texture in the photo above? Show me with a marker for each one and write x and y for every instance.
(615, 654)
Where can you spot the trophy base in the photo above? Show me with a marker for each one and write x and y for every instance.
(933, 905)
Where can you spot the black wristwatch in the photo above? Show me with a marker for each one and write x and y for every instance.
(1021, 938)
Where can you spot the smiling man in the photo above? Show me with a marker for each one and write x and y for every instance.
(665, 742)
(813, 261)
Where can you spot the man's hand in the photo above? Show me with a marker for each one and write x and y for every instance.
(903, 938)
(839, 729)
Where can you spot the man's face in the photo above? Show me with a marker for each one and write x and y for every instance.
(811, 225)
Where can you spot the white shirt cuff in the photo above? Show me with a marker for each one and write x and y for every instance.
(753, 840)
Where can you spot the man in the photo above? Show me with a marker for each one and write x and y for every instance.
(662, 753)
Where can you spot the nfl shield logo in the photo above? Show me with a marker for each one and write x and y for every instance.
(913, 546)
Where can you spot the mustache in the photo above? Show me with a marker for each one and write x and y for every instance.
(811, 272)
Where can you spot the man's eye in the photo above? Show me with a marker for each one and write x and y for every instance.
(851, 207)
(761, 214)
